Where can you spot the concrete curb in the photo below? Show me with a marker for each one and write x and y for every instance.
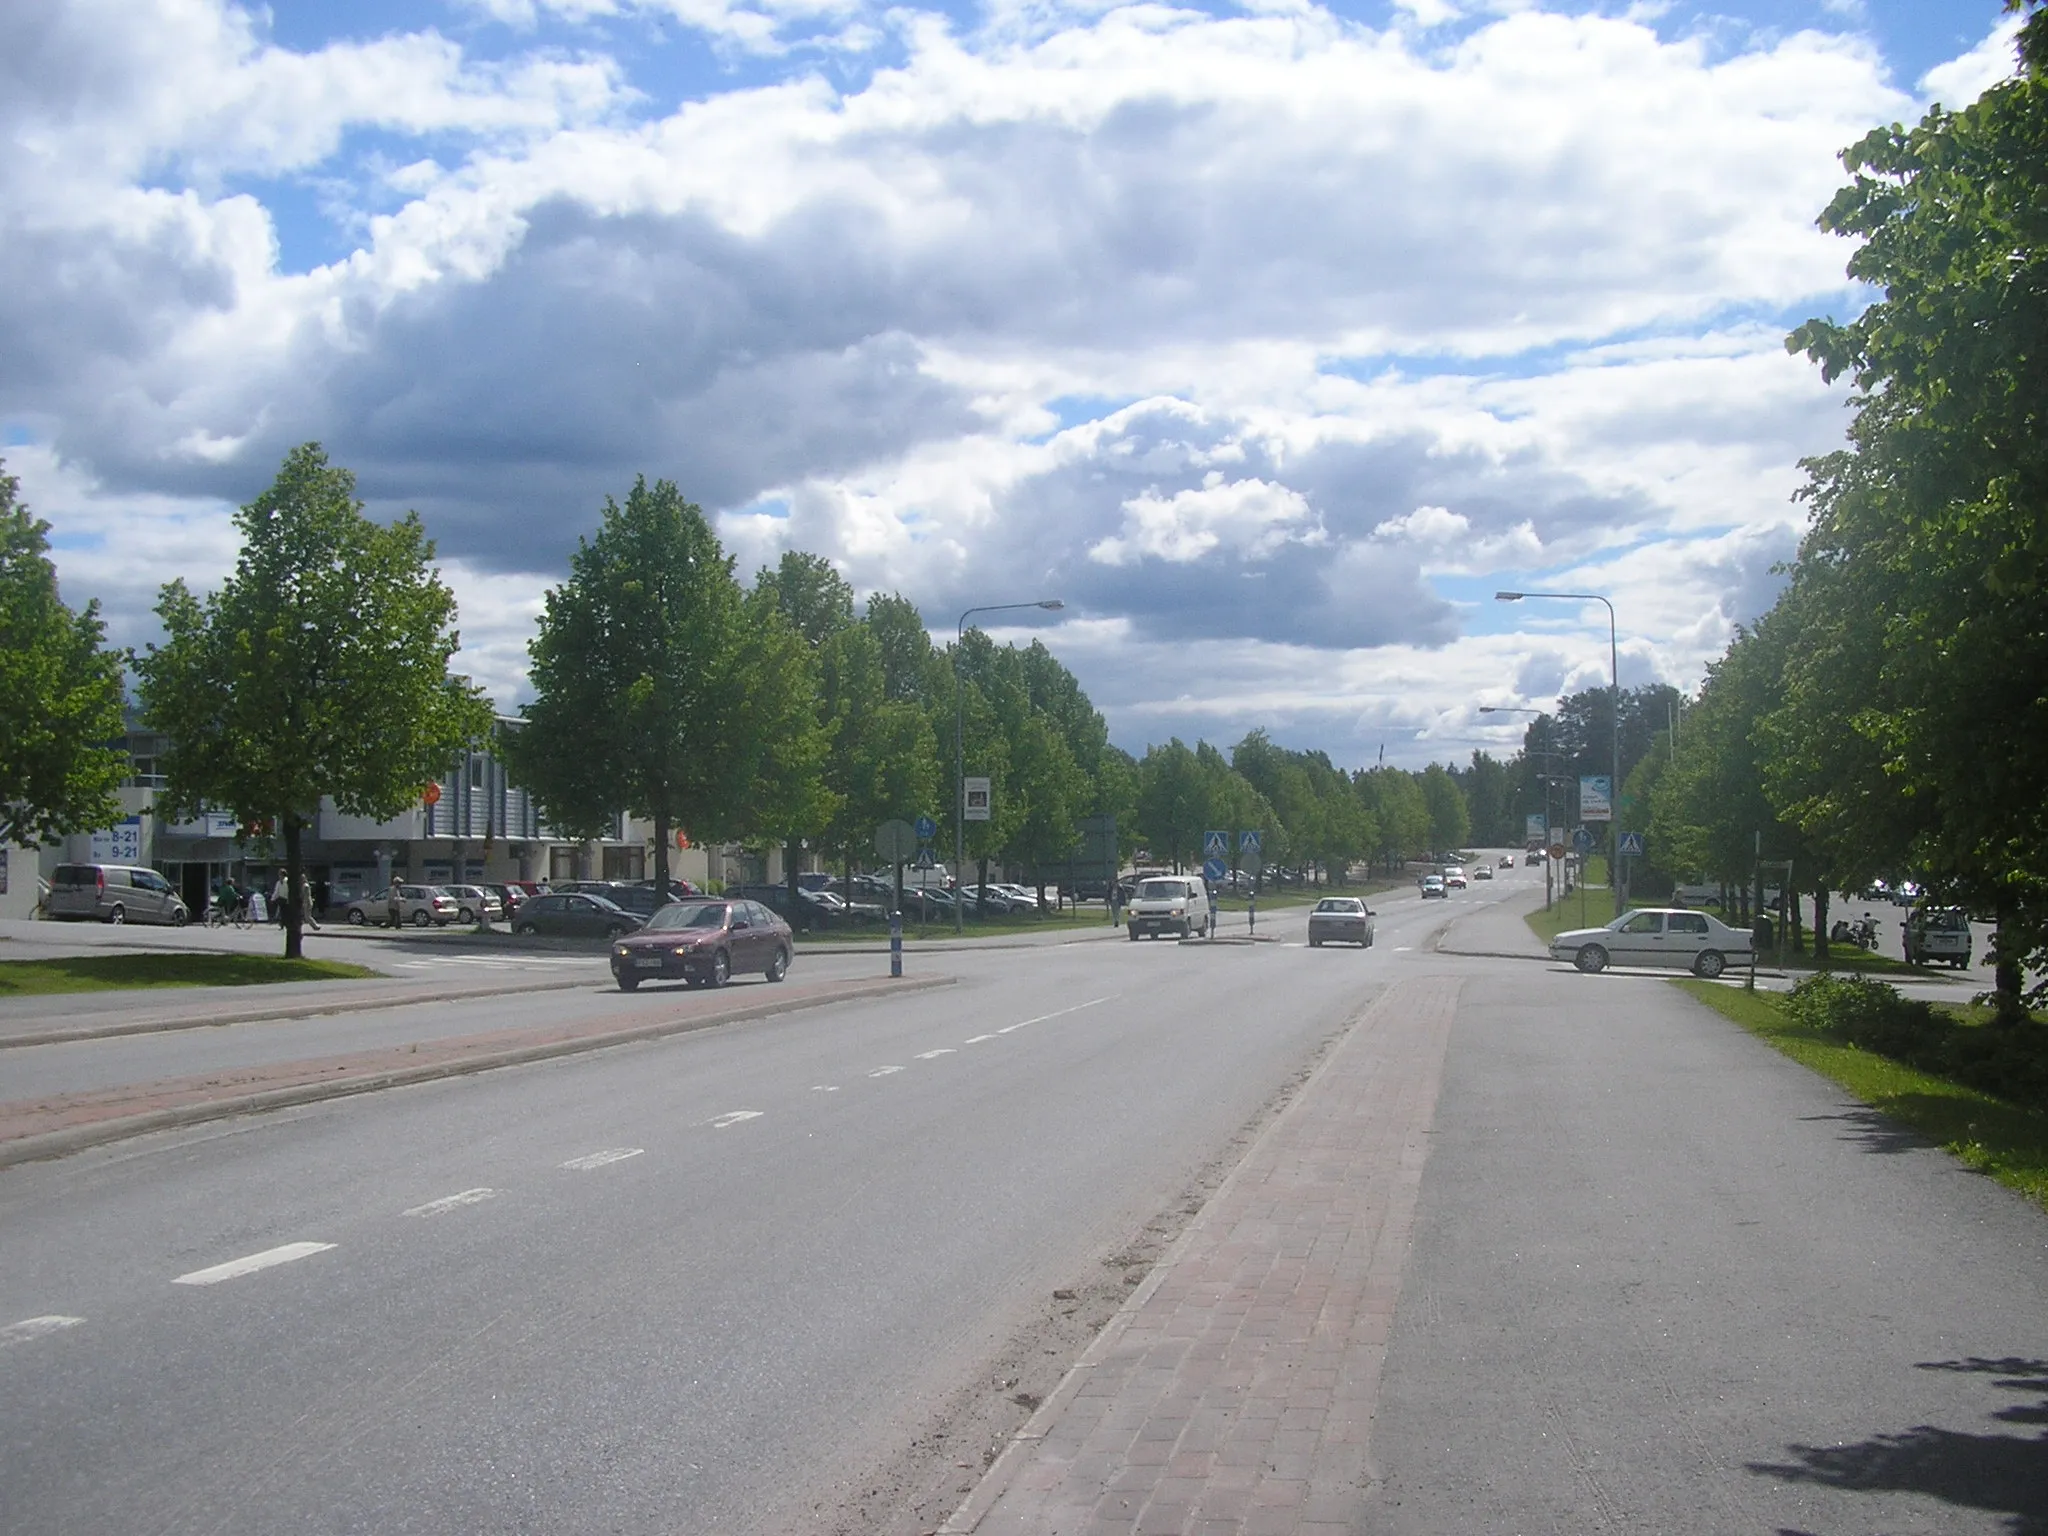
(52, 1144)
(263, 1011)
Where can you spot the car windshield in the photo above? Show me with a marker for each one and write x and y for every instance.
(1338, 904)
(695, 914)
(1947, 922)
(1162, 889)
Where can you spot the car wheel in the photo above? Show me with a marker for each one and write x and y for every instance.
(1708, 964)
(356, 918)
(779, 966)
(1315, 943)
(421, 918)
(526, 930)
(1134, 933)
(1592, 960)
(721, 969)
(118, 915)
(628, 983)
(466, 915)
(180, 918)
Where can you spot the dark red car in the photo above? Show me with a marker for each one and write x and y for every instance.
(705, 942)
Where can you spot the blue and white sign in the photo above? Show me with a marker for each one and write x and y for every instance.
(1213, 870)
(927, 829)
(118, 844)
(1582, 841)
(1215, 845)
(1249, 841)
(1596, 797)
(1632, 845)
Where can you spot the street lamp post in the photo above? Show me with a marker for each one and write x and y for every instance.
(960, 753)
(1614, 666)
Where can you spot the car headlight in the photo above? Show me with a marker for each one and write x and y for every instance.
(682, 949)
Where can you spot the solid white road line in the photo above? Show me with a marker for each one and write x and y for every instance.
(34, 1328)
(452, 1202)
(1057, 1013)
(234, 1269)
(734, 1117)
(598, 1159)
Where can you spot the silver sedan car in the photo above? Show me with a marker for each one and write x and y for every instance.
(1340, 920)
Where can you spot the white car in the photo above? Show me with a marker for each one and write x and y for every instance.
(1672, 937)
(1454, 878)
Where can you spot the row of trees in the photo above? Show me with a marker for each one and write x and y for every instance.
(1887, 718)
(766, 713)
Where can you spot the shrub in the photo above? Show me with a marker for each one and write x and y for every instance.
(2009, 1062)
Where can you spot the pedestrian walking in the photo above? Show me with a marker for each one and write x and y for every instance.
(279, 892)
(306, 903)
(395, 901)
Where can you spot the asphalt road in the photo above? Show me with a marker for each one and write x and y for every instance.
(705, 1284)
(756, 1279)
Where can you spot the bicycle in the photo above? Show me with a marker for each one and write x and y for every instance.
(218, 916)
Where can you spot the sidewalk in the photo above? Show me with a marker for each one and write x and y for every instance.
(1497, 930)
(1234, 1394)
(64, 1123)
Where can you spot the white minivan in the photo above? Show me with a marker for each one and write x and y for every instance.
(1176, 904)
(114, 893)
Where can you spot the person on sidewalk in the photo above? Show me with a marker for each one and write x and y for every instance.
(395, 902)
(306, 903)
(278, 892)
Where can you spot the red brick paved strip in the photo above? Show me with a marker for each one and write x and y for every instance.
(1234, 1393)
(52, 1127)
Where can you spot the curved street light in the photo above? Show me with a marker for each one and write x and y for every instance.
(960, 753)
(1614, 666)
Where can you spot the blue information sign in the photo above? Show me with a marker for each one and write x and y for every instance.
(1582, 840)
(927, 829)
(1214, 870)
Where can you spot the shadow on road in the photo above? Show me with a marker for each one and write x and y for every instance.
(1875, 1131)
(2004, 1474)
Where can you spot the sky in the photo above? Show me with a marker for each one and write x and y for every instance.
(1270, 338)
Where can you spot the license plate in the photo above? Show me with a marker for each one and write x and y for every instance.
(649, 962)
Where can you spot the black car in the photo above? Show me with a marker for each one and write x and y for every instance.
(573, 915)
(637, 897)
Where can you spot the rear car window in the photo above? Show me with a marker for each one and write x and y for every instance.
(1686, 922)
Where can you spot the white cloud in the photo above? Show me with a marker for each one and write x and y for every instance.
(1252, 518)
(1962, 80)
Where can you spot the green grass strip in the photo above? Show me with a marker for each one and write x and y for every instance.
(110, 973)
(1987, 1134)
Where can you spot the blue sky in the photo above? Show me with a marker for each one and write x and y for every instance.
(1273, 338)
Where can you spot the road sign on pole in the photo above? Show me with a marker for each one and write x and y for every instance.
(927, 829)
(1249, 840)
(895, 841)
(976, 791)
(1582, 842)
(1632, 845)
(1215, 845)
(1213, 870)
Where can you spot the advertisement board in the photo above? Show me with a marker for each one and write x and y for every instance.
(1596, 798)
(976, 791)
(1534, 833)
(118, 844)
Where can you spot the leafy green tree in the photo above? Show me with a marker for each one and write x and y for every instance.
(1172, 803)
(659, 689)
(60, 695)
(319, 668)
(1449, 820)
(881, 761)
(1935, 518)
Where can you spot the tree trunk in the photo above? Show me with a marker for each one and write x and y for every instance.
(789, 863)
(294, 914)
(1820, 921)
(661, 835)
(2006, 980)
(1792, 918)
(981, 891)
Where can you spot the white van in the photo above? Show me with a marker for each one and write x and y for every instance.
(114, 893)
(1177, 904)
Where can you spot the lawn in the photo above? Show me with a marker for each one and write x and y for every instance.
(108, 973)
(1994, 1137)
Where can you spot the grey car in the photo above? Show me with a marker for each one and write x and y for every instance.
(1340, 920)
(114, 893)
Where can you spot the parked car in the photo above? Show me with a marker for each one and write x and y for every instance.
(472, 899)
(1938, 933)
(419, 905)
(1340, 920)
(637, 897)
(114, 893)
(993, 900)
(1655, 936)
(704, 942)
(509, 893)
(573, 915)
(1176, 904)
(1433, 885)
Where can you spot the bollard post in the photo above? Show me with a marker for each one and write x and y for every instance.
(1251, 907)
(896, 942)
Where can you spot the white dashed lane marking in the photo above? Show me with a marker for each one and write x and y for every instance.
(824, 1087)
(944, 1050)
(452, 1202)
(734, 1117)
(591, 1160)
(884, 1071)
(234, 1269)
(977, 1039)
(34, 1328)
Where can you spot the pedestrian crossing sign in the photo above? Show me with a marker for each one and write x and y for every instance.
(1632, 845)
(1215, 845)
